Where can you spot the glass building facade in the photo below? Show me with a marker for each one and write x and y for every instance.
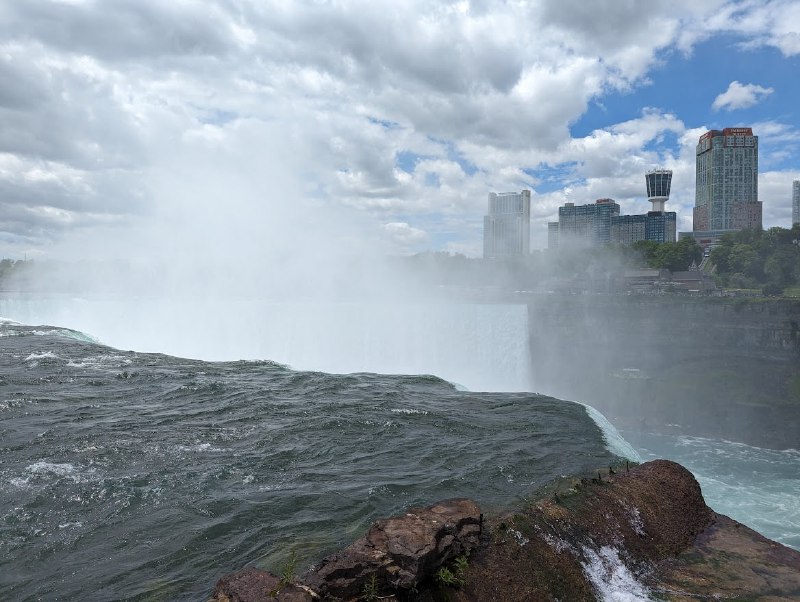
(552, 235)
(586, 225)
(660, 226)
(659, 182)
(627, 229)
(726, 181)
(507, 228)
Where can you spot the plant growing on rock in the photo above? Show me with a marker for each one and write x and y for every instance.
(461, 566)
(456, 577)
(287, 575)
(370, 591)
(445, 577)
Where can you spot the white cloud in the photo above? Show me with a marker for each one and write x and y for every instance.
(740, 96)
(773, 23)
(405, 235)
(97, 101)
(775, 192)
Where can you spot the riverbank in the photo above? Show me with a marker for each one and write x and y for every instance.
(638, 532)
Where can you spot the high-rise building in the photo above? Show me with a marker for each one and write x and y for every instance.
(627, 229)
(601, 223)
(552, 235)
(796, 202)
(586, 225)
(659, 226)
(726, 192)
(507, 228)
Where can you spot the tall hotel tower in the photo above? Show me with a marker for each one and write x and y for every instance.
(507, 228)
(726, 192)
(796, 202)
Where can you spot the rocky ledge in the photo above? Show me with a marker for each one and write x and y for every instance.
(645, 533)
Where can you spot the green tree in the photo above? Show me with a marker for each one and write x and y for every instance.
(673, 256)
(755, 258)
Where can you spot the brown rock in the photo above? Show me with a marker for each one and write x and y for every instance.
(247, 585)
(654, 511)
(256, 585)
(730, 561)
(401, 551)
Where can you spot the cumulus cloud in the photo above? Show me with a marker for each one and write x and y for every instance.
(772, 23)
(775, 192)
(405, 235)
(740, 96)
(404, 113)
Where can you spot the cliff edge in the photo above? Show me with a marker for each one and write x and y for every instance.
(643, 533)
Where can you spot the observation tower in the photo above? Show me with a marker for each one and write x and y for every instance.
(658, 182)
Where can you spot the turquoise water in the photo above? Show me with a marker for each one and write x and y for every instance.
(758, 487)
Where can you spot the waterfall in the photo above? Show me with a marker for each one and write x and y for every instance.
(483, 347)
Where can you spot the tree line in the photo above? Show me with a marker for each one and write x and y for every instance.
(672, 256)
(759, 259)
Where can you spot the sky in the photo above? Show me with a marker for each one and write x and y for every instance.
(385, 121)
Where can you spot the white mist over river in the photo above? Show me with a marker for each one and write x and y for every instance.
(482, 347)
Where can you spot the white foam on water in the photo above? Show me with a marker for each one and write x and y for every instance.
(44, 333)
(109, 360)
(615, 443)
(59, 469)
(54, 468)
(76, 524)
(612, 580)
(726, 448)
(408, 411)
(19, 482)
(8, 404)
(35, 357)
(200, 447)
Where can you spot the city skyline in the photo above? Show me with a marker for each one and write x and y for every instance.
(384, 124)
(601, 222)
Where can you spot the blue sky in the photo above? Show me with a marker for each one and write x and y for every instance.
(687, 85)
(384, 124)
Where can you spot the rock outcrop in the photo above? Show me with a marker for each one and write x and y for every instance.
(643, 532)
(397, 554)
(401, 551)
(720, 368)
